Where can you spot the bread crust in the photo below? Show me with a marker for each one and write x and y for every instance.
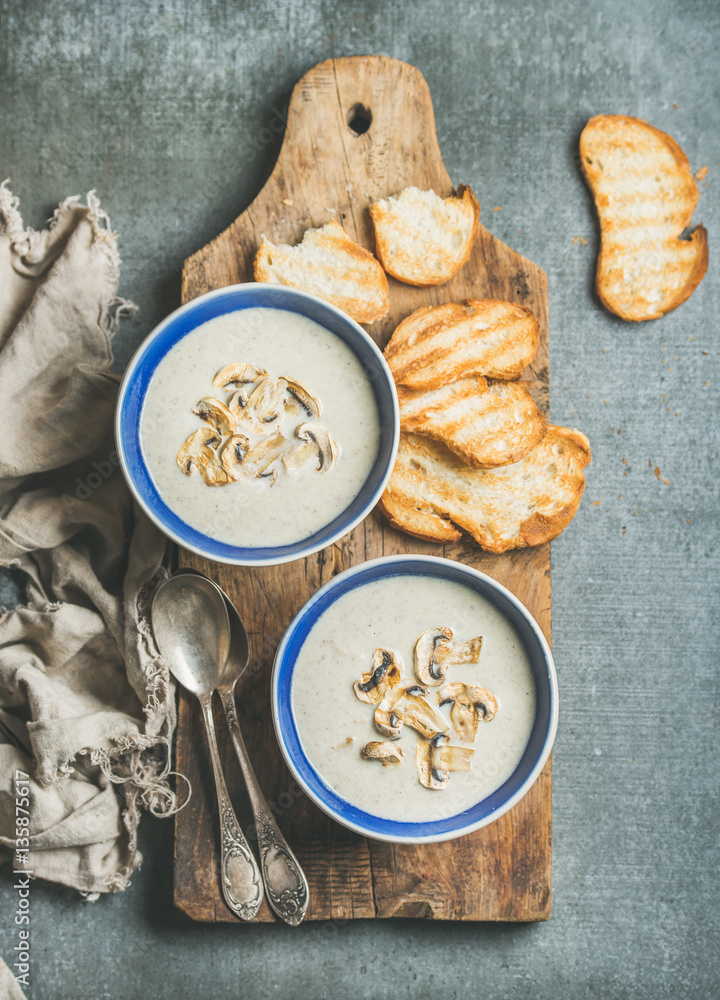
(645, 195)
(406, 249)
(328, 263)
(432, 493)
(436, 345)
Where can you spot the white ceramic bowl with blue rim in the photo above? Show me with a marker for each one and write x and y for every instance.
(187, 318)
(488, 809)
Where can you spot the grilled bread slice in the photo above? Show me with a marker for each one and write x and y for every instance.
(645, 195)
(329, 264)
(486, 423)
(440, 344)
(432, 493)
(423, 239)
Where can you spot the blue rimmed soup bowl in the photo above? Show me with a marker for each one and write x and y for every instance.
(481, 813)
(179, 324)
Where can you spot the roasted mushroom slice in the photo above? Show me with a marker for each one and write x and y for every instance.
(298, 455)
(405, 703)
(434, 652)
(262, 455)
(302, 396)
(326, 447)
(471, 704)
(386, 753)
(238, 401)
(435, 759)
(425, 652)
(238, 373)
(217, 414)
(233, 454)
(197, 453)
(386, 671)
(266, 402)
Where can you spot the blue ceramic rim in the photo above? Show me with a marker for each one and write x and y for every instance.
(188, 317)
(482, 813)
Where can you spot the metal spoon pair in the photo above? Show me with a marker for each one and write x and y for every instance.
(204, 643)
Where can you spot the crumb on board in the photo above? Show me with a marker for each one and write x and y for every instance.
(583, 241)
(287, 201)
(498, 208)
(702, 173)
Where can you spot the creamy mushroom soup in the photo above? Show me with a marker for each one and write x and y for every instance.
(336, 727)
(315, 438)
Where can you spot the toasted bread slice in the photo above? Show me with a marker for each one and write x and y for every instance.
(329, 264)
(486, 423)
(432, 493)
(423, 239)
(440, 344)
(645, 195)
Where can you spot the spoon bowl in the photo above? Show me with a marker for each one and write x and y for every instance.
(192, 630)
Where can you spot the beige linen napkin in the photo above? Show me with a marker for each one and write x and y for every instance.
(86, 704)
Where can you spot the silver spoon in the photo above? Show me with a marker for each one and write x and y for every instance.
(285, 882)
(192, 631)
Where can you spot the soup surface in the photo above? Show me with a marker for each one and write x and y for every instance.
(255, 511)
(334, 725)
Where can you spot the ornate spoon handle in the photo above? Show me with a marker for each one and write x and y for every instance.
(285, 882)
(239, 873)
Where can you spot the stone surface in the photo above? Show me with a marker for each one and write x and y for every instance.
(171, 111)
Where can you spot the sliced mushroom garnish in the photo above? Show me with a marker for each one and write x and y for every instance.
(265, 408)
(386, 753)
(427, 774)
(468, 651)
(197, 453)
(436, 758)
(300, 455)
(233, 454)
(298, 393)
(326, 447)
(425, 652)
(216, 413)
(385, 672)
(262, 455)
(471, 704)
(238, 401)
(434, 652)
(405, 703)
(238, 373)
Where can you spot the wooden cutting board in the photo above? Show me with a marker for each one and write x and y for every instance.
(358, 129)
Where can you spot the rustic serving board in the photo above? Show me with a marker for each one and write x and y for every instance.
(326, 169)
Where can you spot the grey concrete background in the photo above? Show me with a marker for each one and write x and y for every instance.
(158, 106)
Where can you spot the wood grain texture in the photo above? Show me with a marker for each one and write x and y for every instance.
(325, 170)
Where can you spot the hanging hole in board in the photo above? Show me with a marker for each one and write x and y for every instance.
(359, 119)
